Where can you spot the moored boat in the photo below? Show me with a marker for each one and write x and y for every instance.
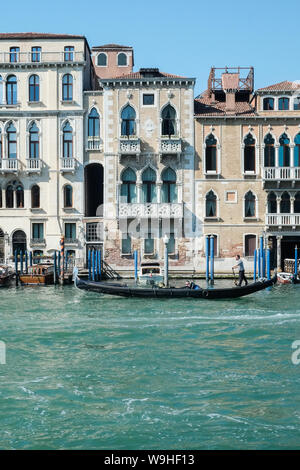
(39, 274)
(285, 278)
(6, 275)
(124, 290)
(150, 273)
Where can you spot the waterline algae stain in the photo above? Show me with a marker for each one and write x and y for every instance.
(85, 371)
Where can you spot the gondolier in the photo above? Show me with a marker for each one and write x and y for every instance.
(240, 265)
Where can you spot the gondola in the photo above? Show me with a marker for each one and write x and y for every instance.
(124, 290)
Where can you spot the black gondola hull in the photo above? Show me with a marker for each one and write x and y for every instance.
(167, 293)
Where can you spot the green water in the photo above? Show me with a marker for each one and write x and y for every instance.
(85, 371)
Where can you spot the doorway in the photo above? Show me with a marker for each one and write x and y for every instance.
(19, 242)
(93, 182)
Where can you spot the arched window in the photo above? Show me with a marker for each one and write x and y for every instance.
(11, 89)
(169, 188)
(34, 150)
(285, 203)
(128, 121)
(34, 88)
(149, 186)
(211, 153)
(268, 104)
(67, 87)
(68, 196)
(297, 103)
(272, 203)
(284, 151)
(249, 154)
(122, 59)
(1, 90)
(283, 104)
(9, 196)
(250, 245)
(11, 141)
(297, 203)
(93, 124)
(67, 141)
(19, 196)
(35, 196)
(102, 60)
(297, 150)
(269, 156)
(128, 186)
(249, 204)
(168, 116)
(211, 204)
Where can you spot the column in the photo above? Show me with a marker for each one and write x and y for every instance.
(139, 192)
(276, 155)
(158, 188)
(278, 238)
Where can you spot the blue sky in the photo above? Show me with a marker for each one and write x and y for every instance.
(181, 37)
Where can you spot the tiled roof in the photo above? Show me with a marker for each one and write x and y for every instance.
(39, 36)
(111, 46)
(139, 75)
(205, 106)
(282, 86)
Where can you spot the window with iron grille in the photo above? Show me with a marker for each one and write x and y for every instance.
(94, 232)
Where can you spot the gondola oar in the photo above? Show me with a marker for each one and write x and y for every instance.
(235, 279)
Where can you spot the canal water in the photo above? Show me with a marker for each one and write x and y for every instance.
(85, 371)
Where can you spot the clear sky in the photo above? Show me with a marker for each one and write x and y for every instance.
(185, 37)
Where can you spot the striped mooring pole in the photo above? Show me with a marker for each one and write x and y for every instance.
(62, 259)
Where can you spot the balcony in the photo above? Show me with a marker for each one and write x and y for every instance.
(33, 165)
(129, 145)
(170, 145)
(93, 143)
(9, 165)
(67, 165)
(21, 58)
(280, 220)
(71, 241)
(151, 210)
(37, 242)
(281, 173)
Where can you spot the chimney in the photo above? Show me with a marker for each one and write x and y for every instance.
(230, 85)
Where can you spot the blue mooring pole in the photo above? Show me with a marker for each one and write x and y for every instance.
(16, 267)
(58, 263)
(30, 258)
(96, 265)
(99, 262)
(207, 257)
(268, 263)
(26, 262)
(89, 264)
(21, 260)
(296, 262)
(93, 265)
(255, 265)
(212, 258)
(258, 263)
(55, 267)
(136, 265)
(261, 250)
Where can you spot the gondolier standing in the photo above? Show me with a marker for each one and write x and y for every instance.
(240, 265)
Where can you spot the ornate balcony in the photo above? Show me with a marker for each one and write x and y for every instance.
(151, 210)
(34, 58)
(67, 165)
(37, 242)
(129, 145)
(280, 220)
(93, 143)
(33, 165)
(281, 173)
(170, 145)
(9, 165)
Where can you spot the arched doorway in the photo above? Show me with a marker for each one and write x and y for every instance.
(1, 246)
(93, 182)
(19, 241)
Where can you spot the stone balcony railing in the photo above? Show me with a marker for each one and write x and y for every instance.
(151, 210)
(129, 145)
(93, 143)
(170, 144)
(38, 241)
(15, 58)
(9, 165)
(33, 165)
(281, 220)
(67, 165)
(281, 173)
